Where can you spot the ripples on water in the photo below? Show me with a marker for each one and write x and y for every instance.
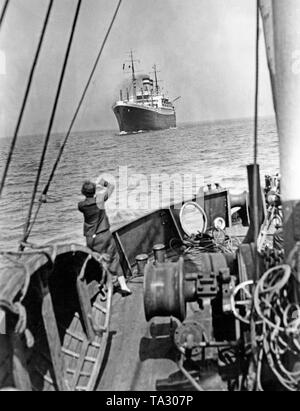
(218, 151)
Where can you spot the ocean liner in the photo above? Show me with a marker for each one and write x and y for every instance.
(146, 108)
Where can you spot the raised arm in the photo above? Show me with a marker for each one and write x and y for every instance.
(104, 191)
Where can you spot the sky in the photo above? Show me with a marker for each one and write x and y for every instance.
(204, 49)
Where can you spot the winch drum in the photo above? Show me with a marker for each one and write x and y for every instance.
(164, 290)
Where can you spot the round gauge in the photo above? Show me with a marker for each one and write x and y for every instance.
(219, 223)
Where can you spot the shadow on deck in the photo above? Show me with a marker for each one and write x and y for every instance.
(138, 354)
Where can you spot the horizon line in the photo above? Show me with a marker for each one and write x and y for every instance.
(116, 130)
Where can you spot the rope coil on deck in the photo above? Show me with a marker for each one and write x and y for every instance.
(277, 323)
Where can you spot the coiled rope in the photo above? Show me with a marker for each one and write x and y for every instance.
(277, 325)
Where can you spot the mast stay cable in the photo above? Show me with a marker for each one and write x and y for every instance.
(81, 100)
(257, 63)
(52, 118)
(4, 9)
(26, 95)
(255, 350)
(255, 153)
(42, 199)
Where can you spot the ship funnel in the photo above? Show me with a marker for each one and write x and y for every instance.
(146, 81)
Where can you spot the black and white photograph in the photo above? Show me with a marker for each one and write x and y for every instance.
(149, 198)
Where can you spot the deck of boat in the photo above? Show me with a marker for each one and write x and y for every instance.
(138, 353)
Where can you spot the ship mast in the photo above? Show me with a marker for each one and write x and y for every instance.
(266, 10)
(133, 74)
(286, 15)
(284, 63)
(281, 24)
(156, 79)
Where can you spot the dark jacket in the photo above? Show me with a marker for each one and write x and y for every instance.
(95, 219)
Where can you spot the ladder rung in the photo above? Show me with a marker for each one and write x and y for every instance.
(100, 308)
(81, 388)
(85, 374)
(90, 359)
(76, 336)
(70, 353)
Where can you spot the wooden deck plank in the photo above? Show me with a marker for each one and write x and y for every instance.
(79, 365)
(53, 337)
(19, 368)
(86, 309)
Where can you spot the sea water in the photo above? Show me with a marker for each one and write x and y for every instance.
(218, 151)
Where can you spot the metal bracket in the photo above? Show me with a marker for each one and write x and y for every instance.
(228, 283)
(207, 286)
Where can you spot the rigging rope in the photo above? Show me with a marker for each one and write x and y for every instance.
(256, 83)
(61, 150)
(255, 176)
(255, 351)
(27, 91)
(3, 12)
(47, 138)
(81, 99)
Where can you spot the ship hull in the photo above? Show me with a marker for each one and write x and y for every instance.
(132, 118)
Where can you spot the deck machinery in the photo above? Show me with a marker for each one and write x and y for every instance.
(231, 308)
